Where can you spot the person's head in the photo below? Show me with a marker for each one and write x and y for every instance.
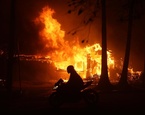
(70, 69)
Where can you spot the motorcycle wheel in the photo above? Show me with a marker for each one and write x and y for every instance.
(55, 100)
(91, 97)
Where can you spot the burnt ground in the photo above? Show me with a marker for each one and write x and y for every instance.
(35, 101)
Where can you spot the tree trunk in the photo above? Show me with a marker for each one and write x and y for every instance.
(11, 47)
(104, 82)
(123, 83)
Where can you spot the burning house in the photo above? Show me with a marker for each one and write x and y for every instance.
(61, 52)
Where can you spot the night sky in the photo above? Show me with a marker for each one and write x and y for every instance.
(27, 32)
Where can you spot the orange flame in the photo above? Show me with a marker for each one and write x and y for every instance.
(86, 60)
(64, 53)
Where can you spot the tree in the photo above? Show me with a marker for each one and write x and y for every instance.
(123, 82)
(134, 13)
(11, 47)
(104, 82)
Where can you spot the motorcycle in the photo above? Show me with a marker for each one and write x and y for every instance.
(58, 97)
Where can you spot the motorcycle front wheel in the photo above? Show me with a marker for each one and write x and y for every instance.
(91, 97)
(55, 100)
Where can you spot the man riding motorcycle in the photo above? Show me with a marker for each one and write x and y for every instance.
(73, 90)
(75, 82)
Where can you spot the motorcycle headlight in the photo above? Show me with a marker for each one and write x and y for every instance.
(55, 87)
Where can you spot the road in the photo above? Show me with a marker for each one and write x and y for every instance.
(36, 101)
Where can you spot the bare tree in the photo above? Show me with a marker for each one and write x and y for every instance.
(134, 12)
(104, 82)
(11, 47)
(123, 80)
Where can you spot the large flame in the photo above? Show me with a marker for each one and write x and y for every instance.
(86, 60)
(63, 53)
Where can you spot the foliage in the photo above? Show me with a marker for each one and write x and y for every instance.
(89, 8)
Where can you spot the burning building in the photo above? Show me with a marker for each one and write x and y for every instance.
(87, 60)
(62, 52)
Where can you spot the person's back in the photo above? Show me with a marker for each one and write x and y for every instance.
(75, 82)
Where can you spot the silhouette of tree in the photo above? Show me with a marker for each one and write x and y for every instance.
(123, 80)
(104, 82)
(11, 47)
(133, 14)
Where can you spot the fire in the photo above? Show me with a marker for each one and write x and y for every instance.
(51, 33)
(86, 60)
(63, 53)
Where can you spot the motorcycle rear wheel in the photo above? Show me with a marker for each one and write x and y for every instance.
(91, 97)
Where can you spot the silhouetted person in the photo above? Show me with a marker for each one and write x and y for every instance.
(75, 82)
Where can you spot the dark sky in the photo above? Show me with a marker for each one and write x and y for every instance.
(27, 32)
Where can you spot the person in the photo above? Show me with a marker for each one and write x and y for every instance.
(75, 82)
